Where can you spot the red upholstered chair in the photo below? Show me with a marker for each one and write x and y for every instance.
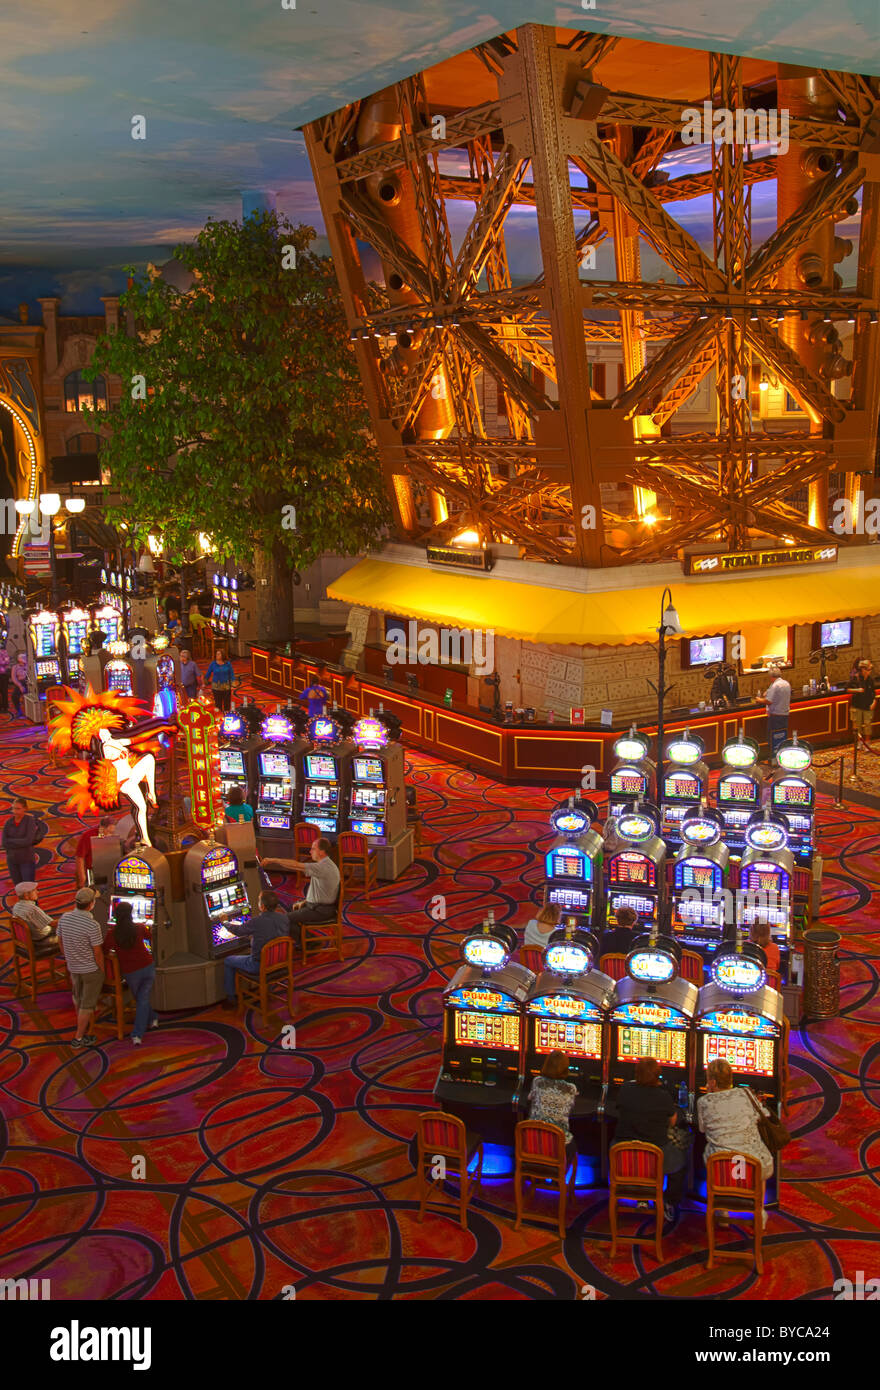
(26, 955)
(354, 852)
(112, 1000)
(276, 969)
(692, 968)
(442, 1136)
(304, 836)
(321, 931)
(613, 965)
(532, 957)
(636, 1172)
(540, 1157)
(734, 1182)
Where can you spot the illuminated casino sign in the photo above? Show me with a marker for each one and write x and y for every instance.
(760, 559)
(766, 835)
(739, 974)
(698, 830)
(684, 751)
(370, 733)
(477, 998)
(794, 757)
(651, 966)
(648, 1015)
(323, 730)
(736, 1021)
(277, 728)
(567, 820)
(631, 747)
(198, 725)
(567, 958)
(487, 952)
(233, 726)
(740, 753)
(634, 826)
(561, 1006)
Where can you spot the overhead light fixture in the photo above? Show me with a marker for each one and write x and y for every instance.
(763, 384)
(703, 315)
(24, 507)
(75, 505)
(852, 317)
(467, 538)
(670, 620)
(827, 318)
(872, 317)
(50, 503)
(650, 518)
(753, 316)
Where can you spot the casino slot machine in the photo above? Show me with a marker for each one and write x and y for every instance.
(159, 677)
(793, 795)
(651, 1014)
(237, 754)
(279, 763)
(143, 881)
(685, 783)
(108, 618)
(119, 672)
(567, 1011)
(766, 879)
(633, 776)
(573, 864)
(326, 775)
(216, 604)
(377, 803)
(635, 868)
(483, 1027)
(739, 790)
(44, 663)
(216, 898)
(75, 621)
(699, 881)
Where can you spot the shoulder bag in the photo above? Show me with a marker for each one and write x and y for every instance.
(774, 1134)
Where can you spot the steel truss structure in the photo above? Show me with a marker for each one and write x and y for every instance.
(530, 461)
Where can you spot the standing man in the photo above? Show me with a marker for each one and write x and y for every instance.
(83, 851)
(80, 939)
(4, 679)
(190, 675)
(18, 684)
(864, 699)
(320, 901)
(21, 835)
(777, 698)
(271, 922)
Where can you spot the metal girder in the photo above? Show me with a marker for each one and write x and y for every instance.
(853, 93)
(639, 396)
(670, 239)
(370, 227)
(491, 211)
(652, 150)
(467, 125)
(628, 108)
(682, 389)
(592, 47)
(828, 195)
(805, 387)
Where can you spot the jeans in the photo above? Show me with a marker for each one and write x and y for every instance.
(4, 691)
(312, 912)
(15, 692)
(22, 870)
(777, 728)
(675, 1167)
(140, 982)
(222, 700)
(233, 963)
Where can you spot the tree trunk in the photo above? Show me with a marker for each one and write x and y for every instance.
(272, 575)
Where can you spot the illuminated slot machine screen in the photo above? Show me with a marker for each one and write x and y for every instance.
(231, 763)
(673, 817)
(642, 907)
(628, 784)
(215, 610)
(733, 789)
(274, 765)
(736, 820)
(143, 909)
(570, 898)
(667, 1045)
(754, 1056)
(43, 639)
(698, 875)
(792, 793)
(681, 784)
(76, 636)
(369, 770)
(117, 676)
(226, 899)
(567, 866)
(321, 766)
(133, 875)
(500, 1031)
(47, 668)
(575, 1039)
(165, 672)
(279, 791)
(630, 867)
(222, 936)
(270, 822)
(368, 797)
(769, 880)
(218, 866)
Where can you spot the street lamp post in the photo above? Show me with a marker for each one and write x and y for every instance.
(668, 623)
(50, 506)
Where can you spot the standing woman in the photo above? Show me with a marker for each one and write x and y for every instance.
(136, 964)
(18, 684)
(219, 676)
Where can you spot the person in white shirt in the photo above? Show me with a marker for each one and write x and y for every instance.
(42, 928)
(322, 895)
(777, 698)
(539, 928)
(729, 1119)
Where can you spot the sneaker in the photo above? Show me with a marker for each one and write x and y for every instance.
(643, 1206)
(135, 1040)
(89, 1040)
(155, 1023)
(669, 1211)
(77, 1042)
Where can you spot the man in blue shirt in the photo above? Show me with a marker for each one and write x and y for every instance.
(316, 698)
(271, 922)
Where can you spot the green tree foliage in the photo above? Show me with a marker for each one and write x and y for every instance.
(253, 404)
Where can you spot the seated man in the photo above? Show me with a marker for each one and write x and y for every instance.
(271, 922)
(43, 929)
(319, 904)
(620, 939)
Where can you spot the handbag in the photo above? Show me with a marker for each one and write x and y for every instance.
(774, 1134)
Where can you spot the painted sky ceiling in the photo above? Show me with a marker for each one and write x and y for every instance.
(223, 84)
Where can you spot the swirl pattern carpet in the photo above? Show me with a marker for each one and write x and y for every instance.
(215, 1163)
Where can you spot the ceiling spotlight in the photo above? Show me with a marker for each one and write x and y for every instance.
(753, 316)
(872, 317)
(852, 317)
(703, 315)
(827, 318)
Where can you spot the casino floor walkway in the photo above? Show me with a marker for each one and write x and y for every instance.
(266, 1167)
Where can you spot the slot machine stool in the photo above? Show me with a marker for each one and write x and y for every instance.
(353, 851)
(112, 1002)
(636, 1172)
(317, 929)
(276, 968)
(304, 836)
(444, 1136)
(540, 1157)
(26, 955)
(724, 1193)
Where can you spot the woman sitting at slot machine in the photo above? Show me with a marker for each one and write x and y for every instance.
(728, 1117)
(130, 944)
(645, 1110)
(760, 935)
(237, 809)
(552, 1097)
(539, 929)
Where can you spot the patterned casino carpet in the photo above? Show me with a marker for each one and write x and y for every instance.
(266, 1168)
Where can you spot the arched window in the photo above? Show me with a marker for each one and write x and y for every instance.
(80, 394)
(84, 444)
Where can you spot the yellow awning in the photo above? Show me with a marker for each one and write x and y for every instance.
(621, 617)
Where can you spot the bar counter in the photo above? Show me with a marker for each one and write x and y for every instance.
(541, 753)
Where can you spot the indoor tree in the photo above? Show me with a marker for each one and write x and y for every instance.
(242, 413)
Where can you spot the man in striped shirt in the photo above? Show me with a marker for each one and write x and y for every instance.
(80, 938)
